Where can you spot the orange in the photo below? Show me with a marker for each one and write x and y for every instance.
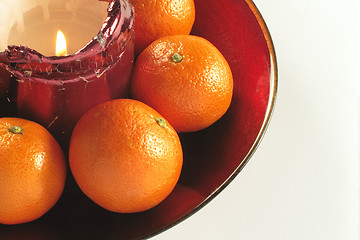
(125, 156)
(32, 171)
(186, 79)
(159, 18)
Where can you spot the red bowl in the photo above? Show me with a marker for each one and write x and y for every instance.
(212, 157)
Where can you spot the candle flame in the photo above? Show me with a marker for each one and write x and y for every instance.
(61, 49)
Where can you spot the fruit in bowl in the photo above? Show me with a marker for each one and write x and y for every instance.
(125, 156)
(212, 157)
(186, 79)
(33, 171)
(156, 19)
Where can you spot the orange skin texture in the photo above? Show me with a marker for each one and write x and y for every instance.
(159, 18)
(122, 159)
(32, 171)
(191, 94)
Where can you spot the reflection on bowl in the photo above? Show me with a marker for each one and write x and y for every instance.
(212, 157)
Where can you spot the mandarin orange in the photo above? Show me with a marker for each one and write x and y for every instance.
(159, 18)
(186, 79)
(125, 156)
(32, 171)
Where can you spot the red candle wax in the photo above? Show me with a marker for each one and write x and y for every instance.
(56, 91)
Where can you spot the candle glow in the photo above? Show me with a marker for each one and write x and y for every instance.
(56, 80)
(61, 48)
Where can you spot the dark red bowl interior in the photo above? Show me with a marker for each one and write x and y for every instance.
(212, 157)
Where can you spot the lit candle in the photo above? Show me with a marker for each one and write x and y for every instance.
(35, 23)
(61, 47)
(60, 76)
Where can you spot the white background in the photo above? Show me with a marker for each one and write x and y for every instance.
(302, 182)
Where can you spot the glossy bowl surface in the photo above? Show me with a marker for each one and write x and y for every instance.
(212, 157)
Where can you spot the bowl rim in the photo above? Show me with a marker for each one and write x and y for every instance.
(269, 112)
